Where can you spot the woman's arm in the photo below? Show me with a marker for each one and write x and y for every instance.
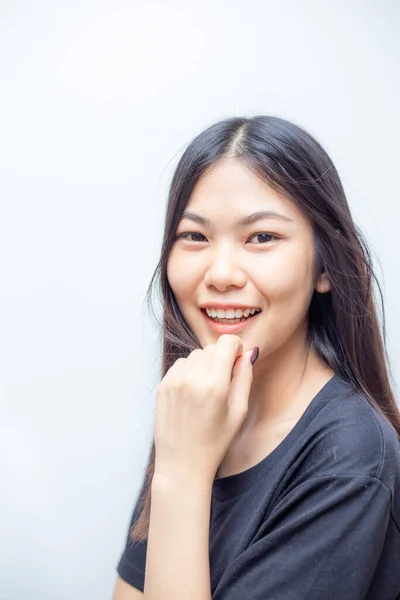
(125, 591)
(177, 561)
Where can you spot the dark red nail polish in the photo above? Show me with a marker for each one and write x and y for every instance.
(254, 355)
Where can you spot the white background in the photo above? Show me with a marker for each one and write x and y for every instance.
(97, 102)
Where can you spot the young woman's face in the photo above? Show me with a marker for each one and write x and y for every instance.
(265, 264)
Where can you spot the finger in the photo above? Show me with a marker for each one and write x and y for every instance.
(194, 354)
(242, 379)
(228, 348)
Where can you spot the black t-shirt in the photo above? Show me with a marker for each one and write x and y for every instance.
(316, 519)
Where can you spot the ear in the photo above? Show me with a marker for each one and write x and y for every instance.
(323, 284)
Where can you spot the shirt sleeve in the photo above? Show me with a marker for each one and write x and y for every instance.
(132, 565)
(323, 539)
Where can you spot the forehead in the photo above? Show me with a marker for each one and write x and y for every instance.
(230, 186)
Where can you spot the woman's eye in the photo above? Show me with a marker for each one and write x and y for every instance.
(264, 235)
(189, 233)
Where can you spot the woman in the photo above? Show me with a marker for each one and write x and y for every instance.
(275, 467)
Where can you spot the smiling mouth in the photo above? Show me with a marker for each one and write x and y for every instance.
(228, 321)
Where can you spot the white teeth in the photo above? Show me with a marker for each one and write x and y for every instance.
(232, 313)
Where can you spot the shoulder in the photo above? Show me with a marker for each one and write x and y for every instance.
(350, 437)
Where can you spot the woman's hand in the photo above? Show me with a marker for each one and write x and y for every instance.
(201, 404)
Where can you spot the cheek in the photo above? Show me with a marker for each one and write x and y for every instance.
(289, 280)
(178, 276)
(288, 299)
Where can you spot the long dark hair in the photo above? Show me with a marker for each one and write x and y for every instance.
(343, 324)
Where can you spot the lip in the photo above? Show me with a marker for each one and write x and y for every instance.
(225, 328)
(225, 306)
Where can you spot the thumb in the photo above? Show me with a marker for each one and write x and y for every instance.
(242, 378)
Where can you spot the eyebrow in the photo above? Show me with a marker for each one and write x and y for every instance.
(257, 216)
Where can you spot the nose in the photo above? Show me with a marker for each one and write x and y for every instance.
(223, 270)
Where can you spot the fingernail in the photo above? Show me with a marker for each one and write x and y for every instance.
(254, 355)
